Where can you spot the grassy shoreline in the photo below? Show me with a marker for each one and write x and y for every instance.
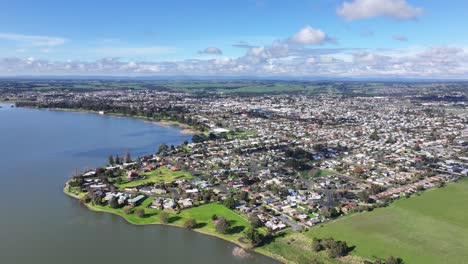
(130, 219)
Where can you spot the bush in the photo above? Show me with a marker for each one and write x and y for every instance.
(127, 209)
(140, 212)
(190, 223)
(222, 225)
(85, 199)
(254, 236)
(393, 260)
(164, 217)
(317, 245)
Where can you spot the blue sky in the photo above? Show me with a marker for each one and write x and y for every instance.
(335, 38)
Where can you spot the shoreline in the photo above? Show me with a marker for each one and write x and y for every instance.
(236, 243)
(184, 128)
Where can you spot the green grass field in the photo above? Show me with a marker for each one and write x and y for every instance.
(430, 228)
(202, 214)
(160, 175)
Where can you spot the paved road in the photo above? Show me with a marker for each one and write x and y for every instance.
(295, 226)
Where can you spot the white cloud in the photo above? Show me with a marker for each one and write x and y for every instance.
(309, 36)
(400, 38)
(33, 40)
(438, 62)
(363, 9)
(211, 50)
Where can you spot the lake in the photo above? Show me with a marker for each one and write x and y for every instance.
(39, 151)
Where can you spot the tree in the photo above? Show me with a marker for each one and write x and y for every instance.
(374, 136)
(222, 225)
(190, 223)
(393, 260)
(363, 196)
(127, 209)
(113, 203)
(140, 212)
(242, 196)
(255, 221)
(164, 217)
(117, 159)
(338, 249)
(230, 203)
(358, 170)
(97, 200)
(127, 157)
(254, 236)
(214, 217)
(111, 160)
(162, 148)
(317, 245)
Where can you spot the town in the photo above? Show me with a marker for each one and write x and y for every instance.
(281, 161)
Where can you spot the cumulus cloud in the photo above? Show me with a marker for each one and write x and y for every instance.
(363, 9)
(309, 36)
(400, 37)
(211, 50)
(36, 41)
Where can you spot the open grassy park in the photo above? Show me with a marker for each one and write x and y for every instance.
(160, 175)
(429, 228)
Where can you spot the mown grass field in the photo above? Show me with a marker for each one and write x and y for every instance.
(160, 175)
(202, 214)
(430, 228)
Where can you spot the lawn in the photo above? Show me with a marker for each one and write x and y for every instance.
(322, 173)
(430, 228)
(202, 214)
(243, 134)
(160, 175)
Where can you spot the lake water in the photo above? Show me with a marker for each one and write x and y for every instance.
(39, 151)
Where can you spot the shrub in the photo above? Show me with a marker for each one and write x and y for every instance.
(190, 223)
(140, 212)
(164, 217)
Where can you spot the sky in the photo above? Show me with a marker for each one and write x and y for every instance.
(270, 38)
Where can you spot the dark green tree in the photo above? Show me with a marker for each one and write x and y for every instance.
(393, 260)
(127, 157)
(317, 245)
(255, 221)
(230, 203)
(254, 236)
(113, 202)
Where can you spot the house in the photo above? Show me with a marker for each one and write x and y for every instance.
(186, 203)
(132, 175)
(149, 168)
(136, 200)
(174, 168)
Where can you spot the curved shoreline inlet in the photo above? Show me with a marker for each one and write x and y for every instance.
(40, 150)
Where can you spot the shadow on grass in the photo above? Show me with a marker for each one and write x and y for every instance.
(236, 229)
(147, 215)
(272, 238)
(173, 219)
(199, 225)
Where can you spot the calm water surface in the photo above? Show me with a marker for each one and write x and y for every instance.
(39, 150)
